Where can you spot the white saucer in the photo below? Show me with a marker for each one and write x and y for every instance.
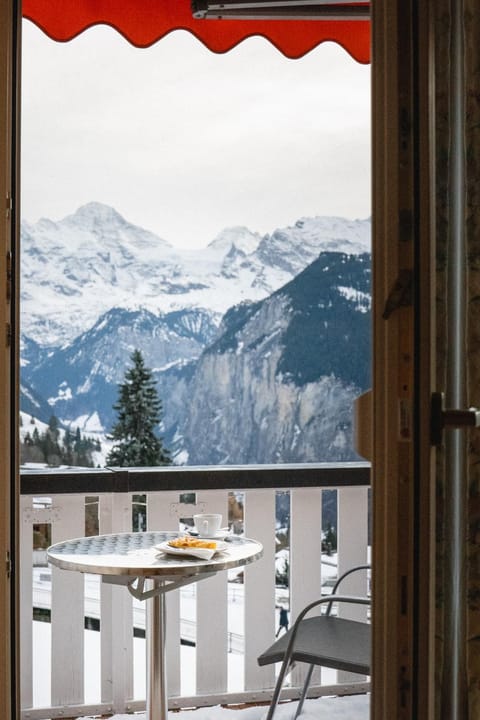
(220, 535)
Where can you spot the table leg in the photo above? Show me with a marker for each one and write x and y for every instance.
(157, 697)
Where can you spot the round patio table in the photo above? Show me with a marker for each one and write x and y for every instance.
(134, 560)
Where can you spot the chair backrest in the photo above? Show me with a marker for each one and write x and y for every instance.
(341, 578)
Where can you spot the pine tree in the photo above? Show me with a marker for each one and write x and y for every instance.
(53, 427)
(49, 442)
(139, 413)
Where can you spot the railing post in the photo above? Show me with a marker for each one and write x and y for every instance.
(116, 615)
(259, 587)
(68, 608)
(161, 516)
(212, 602)
(352, 539)
(26, 594)
(305, 557)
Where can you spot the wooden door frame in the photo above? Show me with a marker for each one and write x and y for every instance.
(404, 352)
(9, 134)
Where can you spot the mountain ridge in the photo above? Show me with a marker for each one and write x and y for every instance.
(96, 253)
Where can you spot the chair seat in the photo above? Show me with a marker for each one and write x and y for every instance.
(329, 641)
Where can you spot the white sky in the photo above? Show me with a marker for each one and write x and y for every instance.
(184, 142)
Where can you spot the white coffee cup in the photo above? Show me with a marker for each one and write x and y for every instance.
(207, 524)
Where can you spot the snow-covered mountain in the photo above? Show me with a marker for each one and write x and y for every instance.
(258, 344)
(78, 268)
(275, 383)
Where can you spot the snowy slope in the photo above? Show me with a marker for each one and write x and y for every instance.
(77, 268)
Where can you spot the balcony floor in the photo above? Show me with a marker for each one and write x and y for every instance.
(354, 707)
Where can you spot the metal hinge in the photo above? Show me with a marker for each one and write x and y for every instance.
(8, 334)
(441, 418)
(8, 564)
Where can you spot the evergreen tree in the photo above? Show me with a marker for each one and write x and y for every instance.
(49, 443)
(139, 413)
(58, 447)
(53, 427)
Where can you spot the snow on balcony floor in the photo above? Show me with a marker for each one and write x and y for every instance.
(334, 708)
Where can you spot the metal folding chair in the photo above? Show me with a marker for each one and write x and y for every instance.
(325, 640)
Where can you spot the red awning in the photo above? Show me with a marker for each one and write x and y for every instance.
(143, 22)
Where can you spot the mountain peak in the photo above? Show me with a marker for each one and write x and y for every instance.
(239, 237)
(95, 213)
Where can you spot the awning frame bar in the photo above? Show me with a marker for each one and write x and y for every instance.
(280, 9)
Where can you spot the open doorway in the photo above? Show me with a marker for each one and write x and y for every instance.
(179, 201)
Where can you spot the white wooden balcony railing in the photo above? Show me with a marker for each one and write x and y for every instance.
(223, 625)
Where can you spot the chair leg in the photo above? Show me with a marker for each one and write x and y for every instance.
(278, 688)
(306, 685)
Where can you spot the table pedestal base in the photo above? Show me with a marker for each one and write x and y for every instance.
(156, 627)
(157, 697)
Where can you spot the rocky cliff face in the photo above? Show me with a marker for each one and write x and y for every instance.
(240, 411)
(251, 399)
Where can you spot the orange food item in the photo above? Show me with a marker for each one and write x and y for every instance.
(189, 542)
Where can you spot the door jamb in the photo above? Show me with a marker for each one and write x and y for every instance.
(402, 251)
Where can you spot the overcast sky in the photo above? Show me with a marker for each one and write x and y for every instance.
(184, 142)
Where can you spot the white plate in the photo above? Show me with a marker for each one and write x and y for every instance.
(192, 552)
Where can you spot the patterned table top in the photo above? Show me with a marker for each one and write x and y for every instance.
(136, 554)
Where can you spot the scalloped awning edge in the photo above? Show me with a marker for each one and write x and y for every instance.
(145, 24)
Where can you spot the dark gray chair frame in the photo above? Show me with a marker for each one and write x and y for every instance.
(295, 652)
